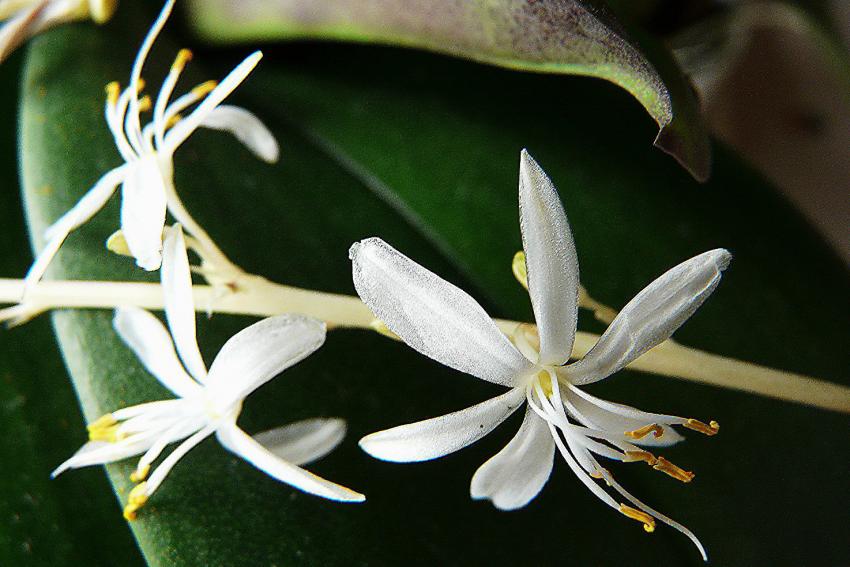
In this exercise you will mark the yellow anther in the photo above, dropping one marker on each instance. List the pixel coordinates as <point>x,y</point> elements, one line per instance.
<point>173,120</point>
<point>145,104</point>
<point>635,514</point>
<point>645,456</point>
<point>117,244</point>
<point>183,57</point>
<point>141,86</point>
<point>140,474</point>
<point>380,327</point>
<point>711,429</point>
<point>204,88</point>
<point>138,497</point>
<point>653,428</point>
<point>102,10</point>
<point>519,269</point>
<point>104,428</point>
<point>113,92</point>
<point>545,381</point>
<point>670,469</point>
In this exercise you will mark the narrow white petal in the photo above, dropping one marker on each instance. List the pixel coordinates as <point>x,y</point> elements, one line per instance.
<point>260,352</point>
<point>89,204</point>
<point>433,316</point>
<point>143,206</point>
<point>99,453</point>
<point>517,473</point>
<point>240,443</point>
<point>185,127</point>
<point>304,441</point>
<point>551,261</point>
<point>150,341</point>
<point>652,316</point>
<point>80,213</point>
<point>247,128</point>
<point>179,303</point>
<point>433,438</point>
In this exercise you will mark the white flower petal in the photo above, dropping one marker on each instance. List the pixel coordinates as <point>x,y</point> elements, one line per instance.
<point>99,453</point>
<point>433,316</point>
<point>240,443</point>
<point>596,413</point>
<point>652,316</point>
<point>517,473</point>
<point>304,441</point>
<point>179,303</point>
<point>19,29</point>
<point>150,341</point>
<point>143,205</point>
<point>80,213</point>
<point>185,127</point>
<point>247,128</point>
<point>551,262</point>
<point>260,352</point>
<point>432,438</point>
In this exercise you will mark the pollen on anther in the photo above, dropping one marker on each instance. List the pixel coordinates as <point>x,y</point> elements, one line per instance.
<point>183,57</point>
<point>672,470</point>
<point>204,88</point>
<point>635,514</point>
<point>642,432</point>
<point>145,104</point>
<point>711,429</point>
<point>113,92</point>
<point>645,456</point>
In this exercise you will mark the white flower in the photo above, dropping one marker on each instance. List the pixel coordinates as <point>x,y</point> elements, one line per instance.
<point>209,403</point>
<point>444,323</point>
<point>146,177</point>
<point>27,18</point>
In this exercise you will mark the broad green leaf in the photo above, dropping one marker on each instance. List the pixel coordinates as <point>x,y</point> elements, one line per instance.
<point>381,142</point>
<point>42,522</point>
<point>577,37</point>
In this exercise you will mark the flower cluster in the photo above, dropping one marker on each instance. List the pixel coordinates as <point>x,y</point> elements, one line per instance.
<point>409,302</point>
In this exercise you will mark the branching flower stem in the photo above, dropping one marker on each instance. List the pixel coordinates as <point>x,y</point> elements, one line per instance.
<point>259,297</point>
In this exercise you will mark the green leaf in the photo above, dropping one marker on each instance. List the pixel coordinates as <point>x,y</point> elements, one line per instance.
<point>381,142</point>
<point>576,37</point>
<point>42,522</point>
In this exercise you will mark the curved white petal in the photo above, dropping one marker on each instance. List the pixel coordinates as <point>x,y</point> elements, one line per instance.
<point>19,28</point>
<point>143,205</point>
<point>433,316</point>
<point>551,261</point>
<point>596,413</point>
<point>179,303</point>
<point>185,127</point>
<point>247,128</point>
<point>101,452</point>
<point>304,441</point>
<point>150,341</point>
<point>652,316</point>
<point>517,473</point>
<point>80,213</point>
<point>432,438</point>
<point>260,352</point>
<point>240,443</point>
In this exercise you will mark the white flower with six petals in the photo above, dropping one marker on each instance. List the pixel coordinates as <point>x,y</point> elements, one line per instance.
<point>444,323</point>
<point>209,402</point>
<point>146,177</point>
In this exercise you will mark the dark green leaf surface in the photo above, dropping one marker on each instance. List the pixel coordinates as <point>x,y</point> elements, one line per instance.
<point>42,522</point>
<point>379,142</point>
<point>575,37</point>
